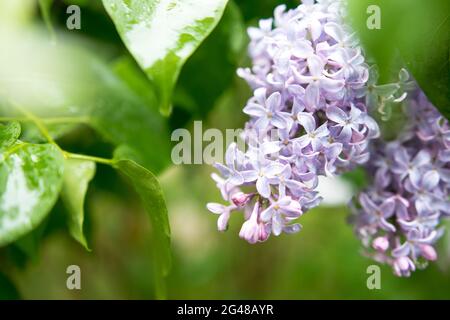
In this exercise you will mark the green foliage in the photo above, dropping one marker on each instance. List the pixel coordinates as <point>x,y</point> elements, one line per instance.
<point>77,175</point>
<point>30,180</point>
<point>261,9</point>
<point>7,289</point>
<point>45,6</point>
<point>122,118</point>
<point>57,88</point>
<point>161,35</point>
<point>357,178</point>
<point>9,134</point>
<point>415,31</point>
<point>214,65</point>
<point>128,71</point>
<point>87,92</point>
<point>149,189</point>
<point>60,98</point>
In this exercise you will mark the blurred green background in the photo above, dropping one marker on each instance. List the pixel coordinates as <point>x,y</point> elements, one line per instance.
<point>323,261</point>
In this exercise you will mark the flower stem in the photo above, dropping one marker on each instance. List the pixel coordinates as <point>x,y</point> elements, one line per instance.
<point>57,120</point>
<point>76,156</point>
<point>40,124</point>
<point>12,150</point>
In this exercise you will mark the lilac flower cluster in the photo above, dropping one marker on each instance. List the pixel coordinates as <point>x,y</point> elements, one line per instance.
<point>398,217</point>
<point>307,119</point>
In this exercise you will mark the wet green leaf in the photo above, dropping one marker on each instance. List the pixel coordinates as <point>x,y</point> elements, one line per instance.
<point>30,182</point>
<point>218,57</point>
<point>9,134</point>
<point>149,189</point>
<point>162,34</point>
<point>77,175</point>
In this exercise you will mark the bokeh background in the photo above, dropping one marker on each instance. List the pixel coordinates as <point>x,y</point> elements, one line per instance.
<point>323,261</point>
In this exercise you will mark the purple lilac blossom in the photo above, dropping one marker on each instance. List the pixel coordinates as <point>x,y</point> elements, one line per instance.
<point>398,218</point>
<point>307,118</point>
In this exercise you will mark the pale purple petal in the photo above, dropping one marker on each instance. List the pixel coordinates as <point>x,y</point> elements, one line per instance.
<point>255,110</point>
<point>273,102</point>
<point>307,121</point>
<point>430,179</point>
<point>263,187</point>
<point>216,208</point>
<point>336,114</point>
<point>315,66</point>
<point>312,96</point>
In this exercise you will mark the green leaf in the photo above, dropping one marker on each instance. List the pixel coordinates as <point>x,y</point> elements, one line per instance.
<point>162,34</point>
<point>256,9</point>
<point>122,118</point>
<point>77,175</point>
<point>136,79</point>
<point>415,31</point>
<point>29,244</point>
<point>149,189</point>
<point>65,80</point>
<point>30,181</point>
<point>7,289</point>
<point>9,134</point>
<point>45,6</point>
<point>218,57</point>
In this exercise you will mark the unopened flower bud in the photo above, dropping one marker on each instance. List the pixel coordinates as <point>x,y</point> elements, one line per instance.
<point>240,199</point>
<point>380,244</point>
<point>428,252</point>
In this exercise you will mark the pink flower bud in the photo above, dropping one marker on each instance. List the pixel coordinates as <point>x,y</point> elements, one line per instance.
<point>403,266</point>
<point>402,263</point>
<point>428,252</point>
<point>252,230</point>
<point>240,198</point>
<point>380,244</point>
